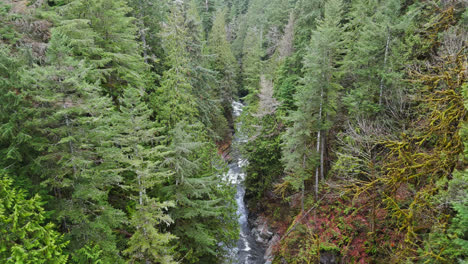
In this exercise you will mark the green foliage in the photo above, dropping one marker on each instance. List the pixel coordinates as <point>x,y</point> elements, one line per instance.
<point>450,241</point>
<point>251,62</point>
<point>316,100</point>
<point>204,214</point>
<point>149,17</point>
<point>148,243</point>
<point>264,155</point>
<point>16,142</point>
<point>69,136</point>
<point>7,32</point>
<point>287,81</point>
<point>211,85</point>
<point>173,101</point>
<point>110,109</point>
<point>373,55</point>
<point>224,62</point>
<point>78,119</point>
<point>88,254</point>
<point>24,237</point>
<point>108,44</point>
<point>136,154</point>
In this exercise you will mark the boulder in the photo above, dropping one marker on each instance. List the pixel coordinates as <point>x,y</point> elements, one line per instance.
<point>268,257</point>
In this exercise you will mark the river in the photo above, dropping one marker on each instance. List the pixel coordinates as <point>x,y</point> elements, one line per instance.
<point>248,250</point>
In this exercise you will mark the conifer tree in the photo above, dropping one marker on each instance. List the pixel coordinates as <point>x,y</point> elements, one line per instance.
<point>173,100</point>
<point>17,140</point>
<point>136,154</point>
<point>251,60</point>
<point>149,15</point>
<point>373,58</point>
<point>63,100</point>
<point>204,212</point>
<point>207,10</point>
<point>316,101</point>
<point>224,62</point>
<point>16,143</point>
<point>56,88</point>
<point>114,50</point>
<point>204,78</point>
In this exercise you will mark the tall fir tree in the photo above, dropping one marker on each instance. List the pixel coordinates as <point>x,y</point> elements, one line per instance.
<point>204,79</point>
<point>224,63</point>
<point>204,214</point>
<point>316,101</point>
<point>251,61</point>
<point>136,155</point>
<point>373,57</point>
<point>62,99</point>
<point>173,101</point>
<point>16,142</point>
<point>110,42</point>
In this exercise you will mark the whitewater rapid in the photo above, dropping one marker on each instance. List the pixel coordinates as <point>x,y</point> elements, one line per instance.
<point>248,250</point>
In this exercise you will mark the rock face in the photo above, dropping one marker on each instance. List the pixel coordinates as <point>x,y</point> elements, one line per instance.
<point>329,258</point>
<point>269,252</point>
<point>261,231</point>
<point>265,236</point>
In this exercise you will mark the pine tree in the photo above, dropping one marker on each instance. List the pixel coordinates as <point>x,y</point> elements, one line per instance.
<point>24,237</point>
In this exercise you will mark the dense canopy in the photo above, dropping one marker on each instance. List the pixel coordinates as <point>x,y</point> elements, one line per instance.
<point>116,124</point>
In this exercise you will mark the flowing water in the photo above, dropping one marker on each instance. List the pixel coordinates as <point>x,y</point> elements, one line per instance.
<point>248,251</point>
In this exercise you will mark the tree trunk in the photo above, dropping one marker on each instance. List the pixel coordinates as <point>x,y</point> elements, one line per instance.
<point>322,157</point>
<point>384,66</point>
<point>142,32</point>
<point>303,183</point>
<point>317,168</point>
<point>318,143</point>
<point>67,123</point>
<point>143,40</point>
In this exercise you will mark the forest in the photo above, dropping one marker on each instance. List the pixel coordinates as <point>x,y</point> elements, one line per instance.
<point>119,120</point>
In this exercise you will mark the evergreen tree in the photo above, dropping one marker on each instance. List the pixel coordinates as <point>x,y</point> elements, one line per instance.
<point>251,62</point>
<point>24,237</point>
<point>149,15</point>
<point>224,63</point>
<point>204,79</point>
<point>316,101</point>
<point>173,100</point>
<point>204,214</point>
<point>372,58</point>
<point>16,137</point>
<point>207,10</point>
<point>62,101</point>
<point>110,42</point>
<point>136,154</point>
<point>16,143</point>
